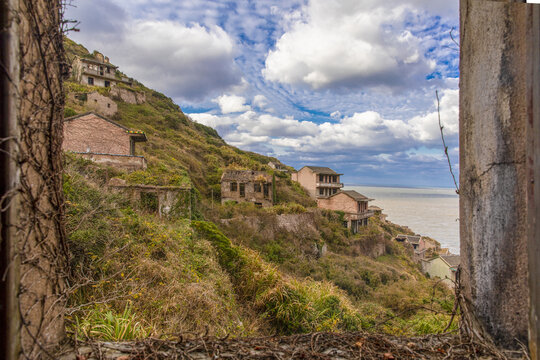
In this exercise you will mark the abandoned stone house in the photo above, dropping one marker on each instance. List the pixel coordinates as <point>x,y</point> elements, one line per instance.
<point>413,240</point>
<point>97,71</point>
<point>276,165</point>
<point>99,139</point>
<point>101,104</point>
<point>163,200</point>
<point>354,204</point>
<point>319,181</point>
<point>247,186</point>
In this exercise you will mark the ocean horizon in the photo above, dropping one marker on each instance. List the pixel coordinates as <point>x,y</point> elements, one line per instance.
<point>428,211</point>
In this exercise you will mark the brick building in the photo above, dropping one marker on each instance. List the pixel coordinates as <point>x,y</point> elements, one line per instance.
<point>352,203</point>
<point>97,71</point>
<point>102,140</point>
<point>320,182</point>
<point>246,186</point>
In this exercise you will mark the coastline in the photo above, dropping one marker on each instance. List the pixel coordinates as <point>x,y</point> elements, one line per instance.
<point>432,212</point>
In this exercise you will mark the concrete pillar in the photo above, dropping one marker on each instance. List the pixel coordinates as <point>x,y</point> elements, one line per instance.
<point>40,235</point>
<point>495,83</point>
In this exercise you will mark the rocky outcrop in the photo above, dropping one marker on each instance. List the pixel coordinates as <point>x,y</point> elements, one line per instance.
<point>128,96</point>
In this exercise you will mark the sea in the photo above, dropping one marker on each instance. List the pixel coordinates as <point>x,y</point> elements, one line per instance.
<point>432,212</point>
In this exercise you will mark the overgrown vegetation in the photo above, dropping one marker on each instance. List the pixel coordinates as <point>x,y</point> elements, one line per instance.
<point>237,269</point>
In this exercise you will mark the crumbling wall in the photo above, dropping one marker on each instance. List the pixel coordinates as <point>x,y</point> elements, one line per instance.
<point>494,100</point>
<point>128,96</point>
<point>101,104</point>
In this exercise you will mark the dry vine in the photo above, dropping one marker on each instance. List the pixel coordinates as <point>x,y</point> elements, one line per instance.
<point>35,202</point>
<point>441,127</point>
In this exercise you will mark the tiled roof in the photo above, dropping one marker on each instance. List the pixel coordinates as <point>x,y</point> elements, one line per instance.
<point>452,260</point>
<point>245,175</point>
<point>322,170</point>
<point>354,194</point>
<point>413,239</point>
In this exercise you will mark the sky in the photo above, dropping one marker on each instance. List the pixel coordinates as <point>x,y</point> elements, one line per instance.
<point>349,84</point>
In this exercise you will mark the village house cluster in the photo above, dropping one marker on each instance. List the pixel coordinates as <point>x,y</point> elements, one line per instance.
<point>435,262</point>
<point>95,137</point>
<point>323,184</point>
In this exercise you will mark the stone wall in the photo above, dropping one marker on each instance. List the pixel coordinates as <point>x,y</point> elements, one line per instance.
<point>124,162</point>
<point>90,133</point>
<point>167,197</point>
<point>128,96</point>
<point>101,104</point>
<point>250,194</point>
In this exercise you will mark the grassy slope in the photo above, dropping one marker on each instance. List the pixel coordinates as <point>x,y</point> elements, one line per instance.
<point>177,279</point>
<point>175,143</point>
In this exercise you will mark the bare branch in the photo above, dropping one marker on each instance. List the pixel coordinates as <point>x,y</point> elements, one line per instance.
<point>441,127</point>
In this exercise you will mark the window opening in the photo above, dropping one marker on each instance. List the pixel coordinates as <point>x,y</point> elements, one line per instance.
<point>242,190</point>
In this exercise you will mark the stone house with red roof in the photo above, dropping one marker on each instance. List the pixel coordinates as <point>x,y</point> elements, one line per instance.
<point>352,203</point>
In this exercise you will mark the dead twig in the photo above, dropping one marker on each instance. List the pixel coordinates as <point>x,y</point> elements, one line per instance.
<point>441,127</point>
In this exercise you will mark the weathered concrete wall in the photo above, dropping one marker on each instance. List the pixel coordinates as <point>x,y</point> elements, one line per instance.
<point>125,162</point>
<point>97,81</point>
<point>307,178</point>
<point>438,268</point>
<point>101,104</point>
<point>494,87</point>
<point>90,133</point>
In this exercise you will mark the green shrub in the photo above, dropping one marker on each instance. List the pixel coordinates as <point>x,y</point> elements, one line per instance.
<point>69,112</point>
<point>104,324</point>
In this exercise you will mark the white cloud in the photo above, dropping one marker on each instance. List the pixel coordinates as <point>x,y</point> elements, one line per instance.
<point>260,101</point>
<point>232,104</point>
<point>184,61</point>
<point>426,128</point>
<point>366,132</point>
<point>351,44</point>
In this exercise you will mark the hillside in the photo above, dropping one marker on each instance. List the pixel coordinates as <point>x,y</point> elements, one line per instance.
<point>177,145</point>
<point>234,269</point>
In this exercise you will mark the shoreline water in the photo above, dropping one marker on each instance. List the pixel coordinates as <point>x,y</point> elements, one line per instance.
<point>429,212</point>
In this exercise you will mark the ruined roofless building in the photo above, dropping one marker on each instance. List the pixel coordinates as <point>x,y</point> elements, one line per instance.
<point>246,186</point>
<point>319,181</point>
<point>97,71</point>
<point>99,139</point>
